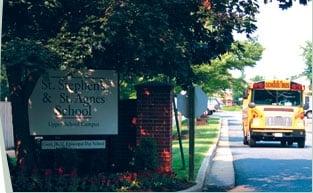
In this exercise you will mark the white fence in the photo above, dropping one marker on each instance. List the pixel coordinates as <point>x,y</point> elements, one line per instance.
<point>6,123</point>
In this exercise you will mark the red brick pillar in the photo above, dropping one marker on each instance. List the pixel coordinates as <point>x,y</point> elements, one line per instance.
<point>154,110</point>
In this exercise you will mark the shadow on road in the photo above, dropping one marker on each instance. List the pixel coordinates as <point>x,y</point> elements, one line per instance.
<point>234,122</point>
<point>235,139</point>
<point>271,175</point>
<point>271,145</point>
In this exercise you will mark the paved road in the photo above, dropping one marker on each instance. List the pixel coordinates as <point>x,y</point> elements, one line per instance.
<point>269,167</point>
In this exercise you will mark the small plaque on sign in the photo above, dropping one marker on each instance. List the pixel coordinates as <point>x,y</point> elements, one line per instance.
<point>73,144</point>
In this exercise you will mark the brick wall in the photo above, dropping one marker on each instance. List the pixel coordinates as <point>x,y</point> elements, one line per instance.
<point>154,111</point>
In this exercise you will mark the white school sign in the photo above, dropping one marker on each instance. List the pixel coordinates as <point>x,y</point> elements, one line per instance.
<point>83,102</point>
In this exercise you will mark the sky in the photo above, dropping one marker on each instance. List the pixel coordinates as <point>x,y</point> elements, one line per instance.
<point>281,33</point>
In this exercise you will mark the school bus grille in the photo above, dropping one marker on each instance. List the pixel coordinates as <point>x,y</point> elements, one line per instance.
<point>278,121</point>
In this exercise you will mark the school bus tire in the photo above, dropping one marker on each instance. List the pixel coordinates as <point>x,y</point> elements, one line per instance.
<point>283,143</point>
<point>301,143</point>
<point>252,142</point>
<point>245,140</point>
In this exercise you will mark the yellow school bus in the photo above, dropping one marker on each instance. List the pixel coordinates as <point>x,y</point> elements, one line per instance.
<point>273,110</point>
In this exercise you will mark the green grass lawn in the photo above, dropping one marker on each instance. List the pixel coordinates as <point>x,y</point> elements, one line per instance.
<point>12,160</point>
<point>232,108</point>
<point>204,138</point>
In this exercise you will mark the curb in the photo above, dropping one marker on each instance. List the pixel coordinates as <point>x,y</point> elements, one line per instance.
<point>222,176</point>
<point>205,165</point>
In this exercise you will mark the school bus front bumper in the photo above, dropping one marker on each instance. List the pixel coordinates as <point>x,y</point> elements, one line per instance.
<point>265,134</point>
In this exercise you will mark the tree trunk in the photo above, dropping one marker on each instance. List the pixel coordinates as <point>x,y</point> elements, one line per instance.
<point>20,91</point>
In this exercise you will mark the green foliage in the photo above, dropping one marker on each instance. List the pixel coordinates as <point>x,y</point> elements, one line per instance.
<point>238,87</point>
<point>128,83</point>
<point>64,158</point>
<point>307,54</point>
<point>216,77</point>
<point>257,78</point>
<point>146,155</point>
<point>212,78</point>
<point>73,160</point>
<point>232,108</point>
<point>25,56</point>
<point>285,4</point>
<point>42,20</point>
<point>73,48</point>
<point>28,52</point>
<point>4,86</point>
<point>120,182</point>
<point>136,37</point>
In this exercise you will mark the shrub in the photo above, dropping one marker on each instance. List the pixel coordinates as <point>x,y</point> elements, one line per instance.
<point>116,182</point>
<point>68,159</point>
<point>146,155</point>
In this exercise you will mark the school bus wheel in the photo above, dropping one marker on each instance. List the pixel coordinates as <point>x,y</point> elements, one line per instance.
<point>283,143</point>
<point>301,143</point>
<point>251,140</point>
<point>245,140</point>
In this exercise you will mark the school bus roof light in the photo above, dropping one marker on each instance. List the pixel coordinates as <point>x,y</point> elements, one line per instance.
<point>296,86</point>
<point>259,85</point>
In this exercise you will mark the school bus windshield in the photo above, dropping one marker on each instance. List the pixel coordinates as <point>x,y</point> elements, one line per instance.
<point>277,97</point>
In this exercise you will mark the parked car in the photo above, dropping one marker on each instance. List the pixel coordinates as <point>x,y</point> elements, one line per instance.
<point>213,105</point>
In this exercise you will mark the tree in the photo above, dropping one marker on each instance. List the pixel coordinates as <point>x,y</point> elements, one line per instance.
<point>257,78</point>
<point>307,54</point>
<point>216,77</point>
<point>155,39</point>
<point>25,60</point>
<point>238,87</point>
<point>136,37</point>
<point>169,43</point>
<point>4,87</point>
<point>285,4</point>
<point>27,28</point>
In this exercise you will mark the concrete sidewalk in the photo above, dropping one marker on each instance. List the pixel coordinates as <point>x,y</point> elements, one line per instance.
<point>221,176</point>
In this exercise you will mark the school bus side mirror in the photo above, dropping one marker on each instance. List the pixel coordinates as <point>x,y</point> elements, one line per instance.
<point>306,106</point>
<point>251,105</point>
